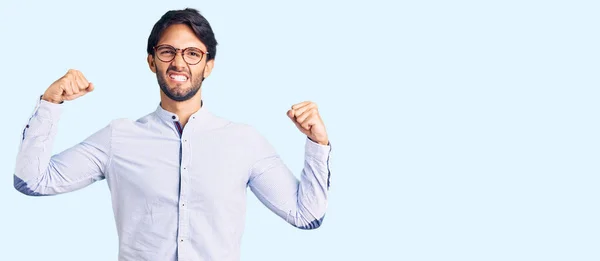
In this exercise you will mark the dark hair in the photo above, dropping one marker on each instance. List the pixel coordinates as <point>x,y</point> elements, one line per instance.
<point>194,20</point>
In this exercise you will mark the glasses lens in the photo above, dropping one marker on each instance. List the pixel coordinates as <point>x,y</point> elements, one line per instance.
<point>192,55</point>
<point>165,53</point>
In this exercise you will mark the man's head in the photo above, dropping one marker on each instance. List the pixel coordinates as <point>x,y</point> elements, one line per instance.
<point>181,51</point>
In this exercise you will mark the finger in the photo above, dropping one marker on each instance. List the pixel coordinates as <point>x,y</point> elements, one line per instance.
<point>81,85</point>
<point>71,82</point>
<point>304,116</point>
<point>308,123</point>
<point>81,82</point>
<point>290,114</point>
<point>74,85</point>
<point>74,96</point>
<point>298,105</point>
<point>90,87</point>
<point>66,86</point>
<point>299,126</point>
<point>304,108</point>
<point>85,80</point>
<point>85,91</point>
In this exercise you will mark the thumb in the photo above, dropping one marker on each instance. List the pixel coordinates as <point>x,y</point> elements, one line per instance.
<point>90,87</point>
<point>290,115</point>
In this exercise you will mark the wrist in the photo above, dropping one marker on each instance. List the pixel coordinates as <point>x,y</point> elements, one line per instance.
<point>48,99</point>
<point>321,142</point>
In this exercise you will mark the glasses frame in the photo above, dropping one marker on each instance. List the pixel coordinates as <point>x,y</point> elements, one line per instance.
<point>179,50</point>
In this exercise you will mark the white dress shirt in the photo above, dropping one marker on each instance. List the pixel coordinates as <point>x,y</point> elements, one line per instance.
<point>177,193</point>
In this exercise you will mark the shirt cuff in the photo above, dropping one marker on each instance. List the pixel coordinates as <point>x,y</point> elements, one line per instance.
<point>317,151</point>
<point>48,110</point>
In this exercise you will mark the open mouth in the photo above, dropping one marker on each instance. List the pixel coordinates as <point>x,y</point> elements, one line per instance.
<point>178,77</point>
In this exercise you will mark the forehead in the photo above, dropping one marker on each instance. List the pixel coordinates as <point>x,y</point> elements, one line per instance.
<point>180,36</point>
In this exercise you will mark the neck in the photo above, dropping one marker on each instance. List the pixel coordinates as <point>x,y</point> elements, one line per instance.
<point>183,109</point>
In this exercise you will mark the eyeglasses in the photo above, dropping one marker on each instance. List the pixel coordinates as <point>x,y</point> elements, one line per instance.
<point>167,53</point>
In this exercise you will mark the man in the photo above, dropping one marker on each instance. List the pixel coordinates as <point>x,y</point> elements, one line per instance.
<point>178,176</point>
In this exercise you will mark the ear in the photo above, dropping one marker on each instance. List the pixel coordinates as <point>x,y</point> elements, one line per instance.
<point>208,68</point>
<point>151,63</point>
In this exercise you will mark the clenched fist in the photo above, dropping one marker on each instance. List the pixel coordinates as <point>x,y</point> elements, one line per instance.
<point>306,117</point>
<point>69,87</point>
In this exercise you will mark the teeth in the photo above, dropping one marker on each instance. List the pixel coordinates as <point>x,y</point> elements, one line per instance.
<point>179,78</point>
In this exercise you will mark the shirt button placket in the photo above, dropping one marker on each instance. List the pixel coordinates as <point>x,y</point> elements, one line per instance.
<point>183,213</point>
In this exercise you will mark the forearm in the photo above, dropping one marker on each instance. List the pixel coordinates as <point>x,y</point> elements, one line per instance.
<point>302,203</point>
<point>32,167</point>
<point>313,187</point>
<point>40,173</point>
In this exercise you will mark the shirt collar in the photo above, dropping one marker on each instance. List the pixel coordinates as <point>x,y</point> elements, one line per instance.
<point>201,116</point>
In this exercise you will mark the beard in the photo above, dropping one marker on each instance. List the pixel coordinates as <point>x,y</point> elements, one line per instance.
<point>178,92</point>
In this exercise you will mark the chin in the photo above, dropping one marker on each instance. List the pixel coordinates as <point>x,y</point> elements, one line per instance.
<point>180,94</point>
<point>177,93</point>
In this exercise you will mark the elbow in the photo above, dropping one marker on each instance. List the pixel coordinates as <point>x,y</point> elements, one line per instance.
<point>312,225</point>
<point>21,186</point>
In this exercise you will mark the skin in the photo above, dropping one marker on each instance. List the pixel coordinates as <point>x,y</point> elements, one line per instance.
<point>181,36</point>
<point>176,96</point>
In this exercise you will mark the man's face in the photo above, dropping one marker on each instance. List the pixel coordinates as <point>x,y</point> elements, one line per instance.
<point>179,80</point>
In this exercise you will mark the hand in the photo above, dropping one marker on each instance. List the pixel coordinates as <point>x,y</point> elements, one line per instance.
<point>306,117</point>
<point>69,87</point>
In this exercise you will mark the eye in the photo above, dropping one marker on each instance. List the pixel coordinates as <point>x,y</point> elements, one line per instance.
<point>194,53</point>
<point>165,50</point>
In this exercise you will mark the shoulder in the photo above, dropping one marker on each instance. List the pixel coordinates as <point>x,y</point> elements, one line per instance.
<point>120,124</point>
<point>241,129</point>
<point>241,132</point>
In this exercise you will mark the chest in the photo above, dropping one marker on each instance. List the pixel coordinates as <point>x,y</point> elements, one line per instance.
<point>202,168</point>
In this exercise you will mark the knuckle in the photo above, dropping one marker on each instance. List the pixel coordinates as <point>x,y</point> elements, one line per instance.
<point>72,73</point>
<point>64,81</point>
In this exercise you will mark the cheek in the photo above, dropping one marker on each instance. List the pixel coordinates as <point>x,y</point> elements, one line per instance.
<point>161,69</point>
<point>198,72</point>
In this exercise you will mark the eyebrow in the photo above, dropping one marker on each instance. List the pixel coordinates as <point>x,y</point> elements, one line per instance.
<point>199,48</point>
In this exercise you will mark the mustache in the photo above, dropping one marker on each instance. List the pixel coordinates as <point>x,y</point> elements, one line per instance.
<point>178,70</point>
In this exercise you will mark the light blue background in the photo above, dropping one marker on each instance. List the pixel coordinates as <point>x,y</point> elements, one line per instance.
<point>462,130</point>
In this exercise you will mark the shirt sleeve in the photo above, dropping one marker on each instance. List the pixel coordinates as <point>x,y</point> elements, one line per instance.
<point>39,173</point>
<point>302,203</point>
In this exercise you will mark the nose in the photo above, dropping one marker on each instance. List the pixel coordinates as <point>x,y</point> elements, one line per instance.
<point>178,61</point>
